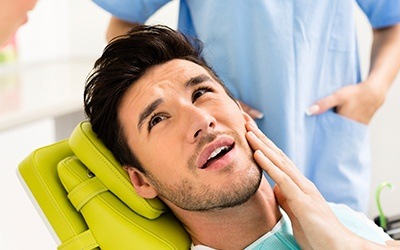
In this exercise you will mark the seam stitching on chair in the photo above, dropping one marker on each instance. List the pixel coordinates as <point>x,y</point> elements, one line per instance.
<point>80,236</point>
<point>101,156</point>
<point>50,195</point>
<point>157,236</point>
<point>82,201</point>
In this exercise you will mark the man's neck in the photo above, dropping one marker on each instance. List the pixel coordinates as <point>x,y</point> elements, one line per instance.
<point>226,228</point>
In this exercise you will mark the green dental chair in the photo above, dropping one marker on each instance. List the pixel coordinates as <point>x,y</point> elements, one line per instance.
<point>88,201</point>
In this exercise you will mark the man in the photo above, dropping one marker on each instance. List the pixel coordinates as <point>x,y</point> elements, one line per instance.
<point>183,138</point>
<point>297,62</point>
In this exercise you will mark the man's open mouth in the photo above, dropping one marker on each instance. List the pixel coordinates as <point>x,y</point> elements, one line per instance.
<point>217,154</point>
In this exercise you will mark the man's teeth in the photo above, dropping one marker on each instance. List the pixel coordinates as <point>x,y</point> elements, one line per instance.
<point>217,151</point>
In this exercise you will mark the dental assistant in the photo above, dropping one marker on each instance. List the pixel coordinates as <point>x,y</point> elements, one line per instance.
<point>297,63</point>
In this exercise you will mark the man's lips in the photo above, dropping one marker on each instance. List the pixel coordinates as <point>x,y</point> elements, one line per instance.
<point>214,151</point>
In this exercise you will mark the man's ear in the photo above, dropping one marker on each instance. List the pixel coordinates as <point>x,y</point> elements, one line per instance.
<point>141,183</point>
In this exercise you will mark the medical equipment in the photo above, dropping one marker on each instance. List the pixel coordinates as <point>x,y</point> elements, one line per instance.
<point>390,224</point>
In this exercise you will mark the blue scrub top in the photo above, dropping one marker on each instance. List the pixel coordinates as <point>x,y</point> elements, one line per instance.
<point>280,56</point>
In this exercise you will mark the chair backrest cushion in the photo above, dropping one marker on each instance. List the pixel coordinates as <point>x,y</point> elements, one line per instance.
<point>38,174</point>
<point>112,223</point>
<point>96,157</point>
<point>88,201</point>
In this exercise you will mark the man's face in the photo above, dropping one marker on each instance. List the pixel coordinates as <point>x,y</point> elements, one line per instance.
<point>189,136</point>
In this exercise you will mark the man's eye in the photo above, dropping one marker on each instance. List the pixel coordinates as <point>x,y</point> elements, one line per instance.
<point>155,119</point>
<point>199,92</point>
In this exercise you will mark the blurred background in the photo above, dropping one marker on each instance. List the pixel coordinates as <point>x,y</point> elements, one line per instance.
<point>42,78</point>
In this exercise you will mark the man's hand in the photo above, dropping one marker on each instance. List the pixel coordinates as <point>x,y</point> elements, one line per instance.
<point>315,226</point>
<point>358,102</point>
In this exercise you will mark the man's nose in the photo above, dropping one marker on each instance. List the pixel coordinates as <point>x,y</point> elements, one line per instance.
<point>200,122</point>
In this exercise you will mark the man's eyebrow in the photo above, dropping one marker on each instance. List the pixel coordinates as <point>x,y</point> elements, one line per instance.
<point>153,106</point>
<point>197,80</point>
<point>148,110</point>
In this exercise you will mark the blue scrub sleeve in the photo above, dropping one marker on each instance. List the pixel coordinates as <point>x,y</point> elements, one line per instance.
<point>131,10</point>
<point>381,13</point>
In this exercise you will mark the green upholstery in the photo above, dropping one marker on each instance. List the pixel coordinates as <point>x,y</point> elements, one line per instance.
<point>92,152</point>
<point>88,201</point>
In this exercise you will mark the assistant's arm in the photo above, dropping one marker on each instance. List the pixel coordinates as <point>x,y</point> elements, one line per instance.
<point>118,27</point>
<point>385,58</point>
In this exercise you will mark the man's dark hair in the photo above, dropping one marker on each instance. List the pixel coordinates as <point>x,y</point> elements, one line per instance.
<point>124,60</point>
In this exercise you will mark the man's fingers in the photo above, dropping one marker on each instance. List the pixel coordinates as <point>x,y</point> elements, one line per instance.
<point>258,143</point>
<point>251,127</point>
<point>288,187</point>
<point>272,152</point>
<point>265,140</point>
<point>393,243</point>
<point>277,165</point>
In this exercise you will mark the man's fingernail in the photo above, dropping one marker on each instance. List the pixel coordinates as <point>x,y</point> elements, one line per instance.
<point>312,110</point>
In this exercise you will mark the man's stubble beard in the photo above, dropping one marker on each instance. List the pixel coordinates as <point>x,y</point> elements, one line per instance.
<point>194,196</point>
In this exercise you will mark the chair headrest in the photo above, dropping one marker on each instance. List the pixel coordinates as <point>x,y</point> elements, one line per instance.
<point>101,162</point>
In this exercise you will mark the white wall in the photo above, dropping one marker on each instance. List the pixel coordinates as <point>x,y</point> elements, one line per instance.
<point>75,28</point>
<point>57,30</point>
<point>385,146</point>
<point>87,24</point>
<point>45,36</point>
<point>62,29</point>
